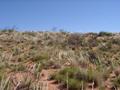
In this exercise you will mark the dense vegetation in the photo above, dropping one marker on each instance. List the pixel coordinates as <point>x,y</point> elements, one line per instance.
<point>90,60</point>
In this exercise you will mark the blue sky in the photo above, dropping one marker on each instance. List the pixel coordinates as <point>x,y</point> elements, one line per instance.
<point>70,15</point>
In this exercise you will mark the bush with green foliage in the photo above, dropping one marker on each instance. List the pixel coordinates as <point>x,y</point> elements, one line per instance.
<point>77,78</point>
<point>102,33</point>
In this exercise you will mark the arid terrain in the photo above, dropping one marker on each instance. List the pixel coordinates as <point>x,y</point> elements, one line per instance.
<point>59,60</point>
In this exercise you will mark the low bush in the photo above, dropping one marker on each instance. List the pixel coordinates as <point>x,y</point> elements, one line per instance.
<point>18,67</point>
<point>102,33</point>
<point>116,82</point>
<point>75,40</point>
<point>76,78</point>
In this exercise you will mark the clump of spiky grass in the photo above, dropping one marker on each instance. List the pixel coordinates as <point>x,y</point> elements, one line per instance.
<point>77,78</point>
<point>116,82</point>
<point>5,83</point>
<point>39,85</point>
<point>16,68</point>
<point>36,70</point>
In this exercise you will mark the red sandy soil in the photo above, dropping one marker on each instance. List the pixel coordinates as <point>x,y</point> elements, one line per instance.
<point>50,83</point>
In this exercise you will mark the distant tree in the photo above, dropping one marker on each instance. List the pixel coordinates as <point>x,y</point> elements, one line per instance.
<point>8,30</point>
<point>102,33</point>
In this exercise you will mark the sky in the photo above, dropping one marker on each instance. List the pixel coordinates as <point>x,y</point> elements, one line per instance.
<point>69,15</point>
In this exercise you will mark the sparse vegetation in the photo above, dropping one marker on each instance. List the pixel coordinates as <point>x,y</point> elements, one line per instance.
<point>85,60</point>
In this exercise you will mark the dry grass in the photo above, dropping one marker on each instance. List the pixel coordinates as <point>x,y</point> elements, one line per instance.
<point>99,51</point>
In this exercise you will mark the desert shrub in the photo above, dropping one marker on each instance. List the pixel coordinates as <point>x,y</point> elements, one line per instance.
<point>106,47</point>
<point>92,33</point>
<point>76,76</point>
<point>15,51</point>
<point>74,84</point>
<point>37,58</point>
<point>18,67</point>
<point>93,58</point>
<point>92,42</point>
<point>8,30</point>
<point>115,41</point>
<point>75,40</point>
<point>71,71</point>
<point>103,48</point>
<point>40,57</point>
<point>2,71</point>
<point>1,75</point>
<point>102,33</point>
<point>116,81</point>
<point>106,72</point>
<point>69,79</point>
<point>50,64</point>
<point>102,88</point>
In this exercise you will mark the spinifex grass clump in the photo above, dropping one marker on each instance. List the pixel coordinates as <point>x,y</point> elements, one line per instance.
<point>116,82</point>
<point>17,68</point>
<point>5,84</point>
<point>76,78</point>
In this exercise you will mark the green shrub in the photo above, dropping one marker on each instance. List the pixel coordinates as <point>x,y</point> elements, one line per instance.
<point>75,76</point>
<point>102,33</point>
<point>18,67</point>
<point>40,57</point>
<point>8,30</point>
<point>70,71</point>
<point>74,84</point>
<point>116,81</point>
